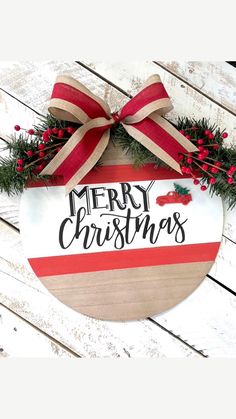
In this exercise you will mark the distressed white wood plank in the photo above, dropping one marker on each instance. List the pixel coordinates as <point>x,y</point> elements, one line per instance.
<point>215,79</point>
<point>114,97</point>
<point>24,294</point>
<point>19,339</point>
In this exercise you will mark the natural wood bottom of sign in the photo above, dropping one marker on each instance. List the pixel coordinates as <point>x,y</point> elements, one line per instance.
<point>128,294</point>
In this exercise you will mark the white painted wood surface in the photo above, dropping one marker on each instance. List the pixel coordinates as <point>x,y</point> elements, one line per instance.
<point>205,321</point>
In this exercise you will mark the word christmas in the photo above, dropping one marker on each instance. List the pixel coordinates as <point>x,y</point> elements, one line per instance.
<point>122,216</point>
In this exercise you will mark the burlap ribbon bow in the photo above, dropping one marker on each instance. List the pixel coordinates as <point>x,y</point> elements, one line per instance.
<point>141,117</point>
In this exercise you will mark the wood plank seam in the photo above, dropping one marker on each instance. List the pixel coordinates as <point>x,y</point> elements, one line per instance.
<point>221,285</point>
<point>194,88</point>
<point>20,101</point>
<point>43,333</point>
<point>199,351</point>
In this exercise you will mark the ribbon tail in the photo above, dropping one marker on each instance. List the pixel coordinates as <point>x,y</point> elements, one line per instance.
<point>161,138</point>
<point>81,152</point>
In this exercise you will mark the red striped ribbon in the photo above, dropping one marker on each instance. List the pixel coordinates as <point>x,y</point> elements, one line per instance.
<point>141,117</point>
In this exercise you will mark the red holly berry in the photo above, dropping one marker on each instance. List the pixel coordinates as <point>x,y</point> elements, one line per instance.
<point>189,160</point>
<point>45,137</point>
<point>188,171</point>
<point>211,136</point>
<point>212,180</point>
<point>205,166</point>
<point>207,132</point>
<point>230,180</point>
<point>70,130</point>
<point>229,173</point>
<point>232,169</point>
<point>205,152</point>
<point>30,153</point>
<point>58,149</point>
<point>19,168</point>
<point>55,130</point>
<point>200,141</point>
<point>201,156</point>
<point>182,132</point>
<point>200,148</point>
<point>49,131</point>
<point>40,167</point>
<point>196,182</point>
<point>214,170</point>
<point>181,157</point>
<point>17,127</point>
<point>20,162</point>
<point>224,135</point>
<point>216,146</point>
<point>41,146</point>
<point>203,188</point>
<point>41,154</point>
<point>183,168</point>
<point>31,131</point>
<point>60,133</point>
<point>218,164</point>
<point>188,137</point>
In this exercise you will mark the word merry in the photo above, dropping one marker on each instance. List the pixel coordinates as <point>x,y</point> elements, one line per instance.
<point>111,199</point>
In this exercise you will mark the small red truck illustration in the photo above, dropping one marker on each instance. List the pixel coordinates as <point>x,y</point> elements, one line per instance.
<point>174,197</point>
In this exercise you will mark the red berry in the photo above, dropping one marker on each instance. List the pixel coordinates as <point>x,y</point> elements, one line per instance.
<point>230,180</point>
<point>224,135</point>
<point>216,146</point>
<point>189,160</point>
<point>188,137</point>
<point>30,153</point>
<point>214,170</point>
<point>45,137</point>
<point>200,141</point>
<point>60,133</point>
<point>232,169</point>
<point>40,167</point>
<point>55,130</point>
<point>196,182</point>
<point>58,149</point>
<point>188,170</point>
<point>212,180</point>
<point>17,127</point>
<point>70,130</point>
<point>218,164</point>
<point>205,152</point>
<point>201,148</point>
<point>207,132</point>
<point>203,188</point>
<point>20,162</point>
<point>211,136</point>
<point>201,156</point>
<point>31,131</point>
<point>229,173</point>
<point>19,168</point>
<point>183,169</point>
<point>41,146</point>
<point>41,154</point>
<point>205,166</point>
<point>49,131</point>
<point>181,157</point>
<point>182,132</point>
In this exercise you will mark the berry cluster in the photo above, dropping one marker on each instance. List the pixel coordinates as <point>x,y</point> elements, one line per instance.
<point>204,163</point>
<point>46,145</point>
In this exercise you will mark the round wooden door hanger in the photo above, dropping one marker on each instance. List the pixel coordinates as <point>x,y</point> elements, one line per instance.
<point>125,243</point>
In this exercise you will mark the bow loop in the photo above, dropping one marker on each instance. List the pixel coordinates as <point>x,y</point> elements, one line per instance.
<point>152,97</point>
<point>72,101</point>
<point>141,117</point>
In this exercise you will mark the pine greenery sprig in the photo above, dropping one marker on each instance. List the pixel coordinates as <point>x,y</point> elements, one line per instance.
<point>213,167</point>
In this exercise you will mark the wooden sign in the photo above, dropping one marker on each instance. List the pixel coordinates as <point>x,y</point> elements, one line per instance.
<point>125,244</point>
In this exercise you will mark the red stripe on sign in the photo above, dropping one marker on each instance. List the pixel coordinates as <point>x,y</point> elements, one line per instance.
<point>119,173</point>
<point>90,106</point>
<point>80,153</point>
<point>148,95</point>
<point>160,137</point>
<point>124,259</point>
